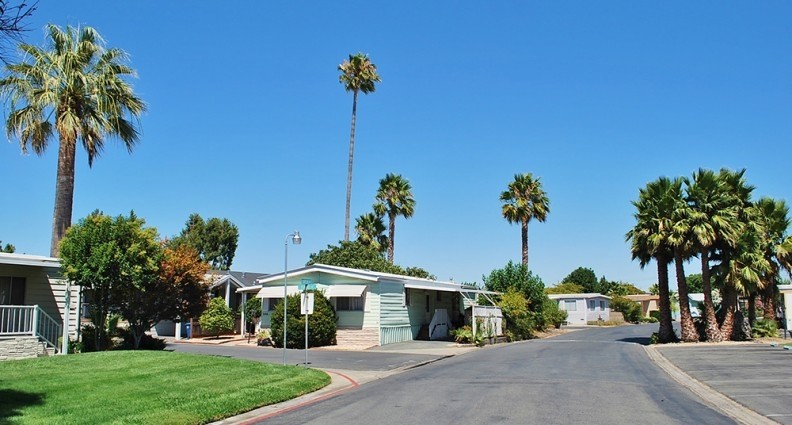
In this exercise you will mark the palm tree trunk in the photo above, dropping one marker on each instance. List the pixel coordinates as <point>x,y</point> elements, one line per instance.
<point>391,232</point>
<point>752,308</point>
<point>729,304</point>
<point>349,166</point>
<point>768,301</point>
<point>666,332</point>
<point>689,333</point>
<point>524,234</point>
<point>64,194</point>
<point>713,332</point>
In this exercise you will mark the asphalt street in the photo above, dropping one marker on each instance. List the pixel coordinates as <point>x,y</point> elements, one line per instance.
<point>595,376</point>
<point>322,359</point>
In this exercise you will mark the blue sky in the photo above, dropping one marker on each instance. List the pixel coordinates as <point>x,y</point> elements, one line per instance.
<point>247,121</point>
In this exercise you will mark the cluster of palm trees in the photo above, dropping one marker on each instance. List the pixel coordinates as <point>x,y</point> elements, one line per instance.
<point>394,198</point>
<point>742,245</point>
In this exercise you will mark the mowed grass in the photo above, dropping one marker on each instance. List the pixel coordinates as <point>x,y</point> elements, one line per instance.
<point>144,387</point>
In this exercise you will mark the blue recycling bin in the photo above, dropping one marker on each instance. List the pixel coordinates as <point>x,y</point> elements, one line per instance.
<point>188,329</point>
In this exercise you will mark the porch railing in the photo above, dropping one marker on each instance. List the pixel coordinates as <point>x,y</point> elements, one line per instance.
<point>20,320</point>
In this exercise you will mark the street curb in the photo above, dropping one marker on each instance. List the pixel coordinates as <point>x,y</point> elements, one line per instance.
<point>713,398</point>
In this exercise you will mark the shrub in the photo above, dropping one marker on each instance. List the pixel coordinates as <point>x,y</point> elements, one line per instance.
<point>655,338</point>
<point>765,329</point>
<point>463,335</point>
<point>553,315</point>
<point>630,309</point>
<point>649,320</point>
<point>655,314</point>
<point>147,342</point>
<point>321,324</point>
<point>87,342</point>
<point>217,318</point>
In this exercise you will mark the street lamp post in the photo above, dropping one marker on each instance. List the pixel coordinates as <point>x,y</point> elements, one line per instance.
<point>296,239</point>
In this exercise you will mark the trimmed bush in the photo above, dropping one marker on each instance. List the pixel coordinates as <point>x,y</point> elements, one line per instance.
<point>217,318</point>
<point>765,329</point>
<point>553,315</point>
<point>630,309</point>
<point>321,324</point>
<point>147,342</point>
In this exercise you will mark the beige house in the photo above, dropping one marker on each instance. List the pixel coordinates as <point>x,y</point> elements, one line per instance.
<point>648,302</point>
<point>38,309</point>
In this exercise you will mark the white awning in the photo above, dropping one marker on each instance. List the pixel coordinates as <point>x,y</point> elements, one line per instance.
<point>275,291</point>
<point>345,291</point>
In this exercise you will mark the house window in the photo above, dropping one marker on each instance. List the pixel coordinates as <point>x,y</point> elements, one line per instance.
<point>602,305</point>
<point>271,304</point>
<point>438,296</point>
<point>407,297</point>
<point>592,305</point>
<point>427,303</point>
<point>349,303</point>
<point>12,290</point>
<point>570,305</point>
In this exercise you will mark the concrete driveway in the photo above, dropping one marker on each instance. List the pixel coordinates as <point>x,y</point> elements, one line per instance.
<point>757,376</point>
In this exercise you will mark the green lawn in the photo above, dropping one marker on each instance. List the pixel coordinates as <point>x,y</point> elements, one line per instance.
<point>144,387</point>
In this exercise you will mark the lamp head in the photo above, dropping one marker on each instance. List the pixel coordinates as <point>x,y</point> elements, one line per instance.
<point>296,239</point>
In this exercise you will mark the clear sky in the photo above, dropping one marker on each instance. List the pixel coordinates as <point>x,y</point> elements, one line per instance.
<point>247,121</point>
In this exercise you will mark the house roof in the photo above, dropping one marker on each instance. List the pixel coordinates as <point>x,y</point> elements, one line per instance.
<point>29,260</point>
<point>583,296</point>
<point>642,297</point>
<point>345,273</point>
<point>237,279</point>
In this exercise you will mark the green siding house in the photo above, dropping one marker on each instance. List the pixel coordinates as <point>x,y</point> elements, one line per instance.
<point>374,308</point>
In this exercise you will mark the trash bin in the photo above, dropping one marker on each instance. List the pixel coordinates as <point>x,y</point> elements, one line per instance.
<point>188,330</point>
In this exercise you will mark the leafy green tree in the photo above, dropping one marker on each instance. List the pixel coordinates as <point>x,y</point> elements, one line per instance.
<point>321,324</point>
<point>358,75</point>
<point>584,277</point>
<point>649,240</point>
<point>176,292</point>
<point>214,239</point>
<point>419,272</point>
<point>217,318</point>
<point>354,255</point>
<point>110,257</point>
<point>624,288</point>
<point>694,283</point>
<point>524,201</point>
<point>8,248</point>
<point>516,277</point>
<point>371,231</point>
<point>630,309</point>
<point>394,198</point>
<point>76,88</point>
<point>565,288</point>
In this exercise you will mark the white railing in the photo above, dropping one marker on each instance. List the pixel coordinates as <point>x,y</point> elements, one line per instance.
<point>20,320</point>
<point>438,327</point>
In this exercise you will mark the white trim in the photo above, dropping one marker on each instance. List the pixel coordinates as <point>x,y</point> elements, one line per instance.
<point>577,296</point>
<point>29,260</point>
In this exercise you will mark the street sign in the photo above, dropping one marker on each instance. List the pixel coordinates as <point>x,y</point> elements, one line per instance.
<point>306,303</point>
<point>306,285</point>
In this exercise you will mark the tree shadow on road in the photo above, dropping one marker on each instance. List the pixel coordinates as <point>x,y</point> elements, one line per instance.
<point>642,340</point>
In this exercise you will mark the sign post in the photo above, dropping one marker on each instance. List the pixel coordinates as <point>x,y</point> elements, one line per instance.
<point>306,307</point>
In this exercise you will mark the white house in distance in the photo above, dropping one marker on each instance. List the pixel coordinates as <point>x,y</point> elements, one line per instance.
<point>583,308</point>
<point>38,309</point>
<point>376,308</point>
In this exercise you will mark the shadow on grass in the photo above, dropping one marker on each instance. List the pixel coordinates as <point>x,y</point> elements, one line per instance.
<point>642,340</point>
<point>13,401</point>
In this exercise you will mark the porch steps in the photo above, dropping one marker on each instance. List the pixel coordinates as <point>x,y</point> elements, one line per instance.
<point>357,338</point>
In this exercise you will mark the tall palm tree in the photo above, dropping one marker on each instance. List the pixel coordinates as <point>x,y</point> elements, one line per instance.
<point>523,201</point>
<point>776,248</point>
<point>358,75</point>
<point>77,89</point>
<point>371,231</point>
<point>650,241</point>
<point>394,198</point>
<point>712,221</point>
<point>682,249</point>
